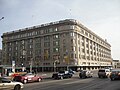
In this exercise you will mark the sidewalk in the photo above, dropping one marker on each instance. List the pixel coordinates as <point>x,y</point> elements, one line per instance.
<point>45,75</point>
<point>48,75</point>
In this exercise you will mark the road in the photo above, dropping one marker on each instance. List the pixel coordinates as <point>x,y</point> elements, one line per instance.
<point>75,83</point>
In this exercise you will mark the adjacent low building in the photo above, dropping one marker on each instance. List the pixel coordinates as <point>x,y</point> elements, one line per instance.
<point>0,56</point>
<point>116,63</point>
<point>61,44</point>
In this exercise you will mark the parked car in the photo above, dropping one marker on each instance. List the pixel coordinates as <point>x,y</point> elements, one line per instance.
<point>103,73</point>
<point>71,71</point>
<point>115,74</point>
<point>29,77</point>
<point>6,84</point>
<point>62,75</point>
<point>85,74</point>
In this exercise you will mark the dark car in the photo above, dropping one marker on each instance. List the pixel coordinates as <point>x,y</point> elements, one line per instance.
<point>115,74</point>
<point>62,75</point>
<point>85,74</point>
<point>71,71</point>
<point>29,77</point>
<point>103,73</point>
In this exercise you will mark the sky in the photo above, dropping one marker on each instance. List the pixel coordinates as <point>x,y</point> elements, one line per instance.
<point>100,16</point>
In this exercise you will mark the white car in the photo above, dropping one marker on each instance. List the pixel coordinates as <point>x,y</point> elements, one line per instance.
<point>104,73</point>
<point>6,84</point>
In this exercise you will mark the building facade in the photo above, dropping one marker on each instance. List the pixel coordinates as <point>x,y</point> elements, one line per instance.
<point>61,44</point>
<point>116,63</point>
<point>0,56</point>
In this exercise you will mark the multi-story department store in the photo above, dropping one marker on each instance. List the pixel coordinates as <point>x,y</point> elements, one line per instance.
<point>61,44</point>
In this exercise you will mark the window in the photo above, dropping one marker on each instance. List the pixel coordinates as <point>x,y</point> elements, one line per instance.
<point>88,57</point>
<point>91,52</point>
<point>56,36</point>
<point>41,31</point>
<point>37,40</point>
<point>73,48</point>
<point>16,48</point>
<point>38,52</point>
<point>38,45</point>
<point>72,34</point>
<point>83,50</point>
<point>64,48</point>
<point>55,43</point>
<point>64,41</point>
<point>87,40</point>
<point>10,49</point>
<point>82,43</point>
<point>83,56</point>
<point>86,33</point>
<point>72,55</point>
<point>83,38</point>
<point>30,52</point>
<point>90,35</point>
<point>72,27</point>
<point>23,41</point>
<point>87,45</point>
<point>82,31</point>
<point>87,51</point>
<point>91,47</point>
<point>56,49</point>
<point>46,44</point>
<point>30,46</point>
<point>46,31</point>
<point>46,54</point>
<point>30,40</point>
<point>79,56</point>
<point>50,30</point>
<point>46,38</point>
<point>71,40</point>
<point>55,29</point>
<point>16,42</point>
<point>64,35</point>
<point>79,49</point>
<point>16,54</point>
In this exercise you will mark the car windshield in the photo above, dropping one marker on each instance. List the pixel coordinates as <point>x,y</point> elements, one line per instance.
<point>4,80</point>
<point>114,71</point>
<point>26,74</point>
<point>61,71</point>
<point>101,70</point>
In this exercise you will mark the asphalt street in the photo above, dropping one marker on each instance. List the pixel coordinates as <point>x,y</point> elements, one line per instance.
<point>75,83</point>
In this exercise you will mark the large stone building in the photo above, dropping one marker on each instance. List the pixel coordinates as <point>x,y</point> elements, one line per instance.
<point>0,56</point>
<point>61,44</point>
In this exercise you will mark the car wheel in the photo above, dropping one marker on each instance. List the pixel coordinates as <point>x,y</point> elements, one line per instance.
<point>80,76</point>
<point>39,79</point>
<point>70,76</point>
<point>17,87</point>
<point>112,79</point>
<point>25,81</point>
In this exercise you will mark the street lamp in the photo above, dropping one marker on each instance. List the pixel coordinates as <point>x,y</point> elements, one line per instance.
<point>55,62</point>
<point>31,64</point>
<point>1,18</point>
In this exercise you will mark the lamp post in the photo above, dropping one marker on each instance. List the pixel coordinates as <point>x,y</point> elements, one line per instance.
<point>31,64</point>
<point>1,18</point>
<point>55,62</point>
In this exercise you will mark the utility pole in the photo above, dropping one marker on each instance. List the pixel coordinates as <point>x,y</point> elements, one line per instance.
<point>1,18</point>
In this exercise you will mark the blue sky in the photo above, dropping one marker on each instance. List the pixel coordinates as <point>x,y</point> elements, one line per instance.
<point>100,16</point>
